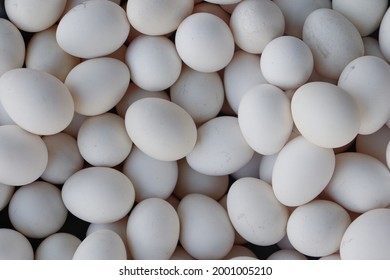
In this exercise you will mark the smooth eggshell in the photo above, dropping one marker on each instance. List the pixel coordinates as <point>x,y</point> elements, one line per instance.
<point>211,8</point>
<point>384,35</point>
<point>251,169</point>
<point>6,193</point>
<point>239,251</point>
<point>58,246</point>
<point>374,144</point>
<point>14,246</point>
<point>287,254</point>
<point>371,47</point>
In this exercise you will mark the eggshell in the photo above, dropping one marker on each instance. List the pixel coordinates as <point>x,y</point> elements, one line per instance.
<point>150,177</point>
<point>316,228</point>
<point>24,156</point>
<point>12,48</point>
<point>301,171</point>
<point>103,140</point>
<point>73,128</point>
<point>58,246</point>
<point>239,251</point>
<point>14,246</point>
<point>223,2</point>
<point>374,144</point>
<point>34,15</point>
<point>371,47</point>
<point>160,128</point>
<point>367,237</point>
<point>153,17</point>
<point>333,40</point>
<point>98,194</point>
<point>331,257</point>
<point>325,114</point>
<point>181,254</point>
<point>388,155</point>
<point>384,35</point>
<point>367,79</point>
<point>6,193</point>
<point>255,212</point>
<point>64,158</point>
<point>204,42</point>
<point>211,8</point>
<point>36,210</point>
<point>205,228</point>
<point>266,167</point>
<point>70,4</point>
<point>287,254</point>
<point>359,183</point>
<point>220,149</point>
<point>251,169</point>
<point>103,244</point>
<point>5,119</point>
<point>97,84</point>
<point>265,120</point>
<point>149,219</point>
<point>36,101</point>
<point>81,32</point>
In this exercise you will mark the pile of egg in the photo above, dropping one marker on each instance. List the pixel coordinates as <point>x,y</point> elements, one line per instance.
<point>186,129</point>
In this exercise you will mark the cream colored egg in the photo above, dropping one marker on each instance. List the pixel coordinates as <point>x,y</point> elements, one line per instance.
<point>44,54</point>
<point>153,17</point>
<point>221,148</point>
<point>325,114</point>
<point>367,238</point>
<point>371,47</point>
<point>316,228</point>
<point>333,40</point>
<point>254,23</point>
<point>58,246</point>
<point>153,62</point>
<point>97,84</point>
<point>150,177</point>
<point>98,194</point>
<point>36,101</point>
<point>211,8</point>
<point>265,120</point>
<point>14,246</point>
<point>24,156</point>
<point>242,74</point>
<point>161,129</point>
<point>103,140</point>
<point>359,183</point>
<point>153,217</point>
<point>251,169</point>
<point>103,244</point>
<point>204,42</point>
<point>374,144</point>
<point>366,79</point>
<point>64,158</point>
<point>12,48</point>
<point>255,212</point>
<point>81,32</point>
<point>287,254</point>
<point>205,228</point>
<point>34,15</point>
<point>6,193</point>
<point>36,210</point>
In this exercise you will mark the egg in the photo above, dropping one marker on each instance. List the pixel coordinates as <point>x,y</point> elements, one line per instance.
<point>73,128</point>
<point>287,254</point>
<point>317,228</point>
<point>204,42</point>
<point>36,210</point>
<point>153,230</point>
<point>239,251</point>
<point>81,32</point>
<point>24,156</point>
<point>14,246</point>
<point>223,2</point>
<point>98,194</point>
<point>36,101</point>
<point>181,254</point>
<point>251,169</point>
<point>383,35</point>
<point>97,84</point>
<point>266,167</point>
<point>160,128</point>
<point>205,229</point>
<point>255,212</point>
<point>371,47</point>
<point>374,144</point>
<point>221,148</point>
<point>204,7</point>
<point>388,155</point>
<point>6,193</point>
<point>58,246</point>
<point>73,3</point>
<point>332,257</point>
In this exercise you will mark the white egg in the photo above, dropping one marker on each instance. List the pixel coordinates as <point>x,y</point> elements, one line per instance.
<point>81,32</point>
<point>153,230</point>
<point>160,128</point>
<point>150,177</point>
<point>58,246</point>
<point>316,228</point>
<point>103,244</point>
<point>265,120</point>
<point>36,210</point>
<point>153,62</point>
<point>221,148</point>
<point>24,156</point>
<point>36,101</point>
<point>153,17</point>
<point>239,251</point>
<point>333,40</point>
<point>331,257</point>
<point>367,237</point>
<point>103,140</point>
<point>287,254</point>
<point>73,128</point>
<point>223,2</point>
<point>97,85</point>
<point>266,167</point>
<point>181,254</point>
<point>255,212</point>
<point>325,114</point>
<point>98,194</point>
<point>251,169</point>
<point>204,42</point>
<point>371,47</point>
<point>70,4</point>
<point>204,7</point>
<point>388,155</point>
<point>359,183</point>
<point>374,144</point>
<point>14,246</point>
<point>6,193</point>
<point>205,228</point>
<point>384,35</point>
